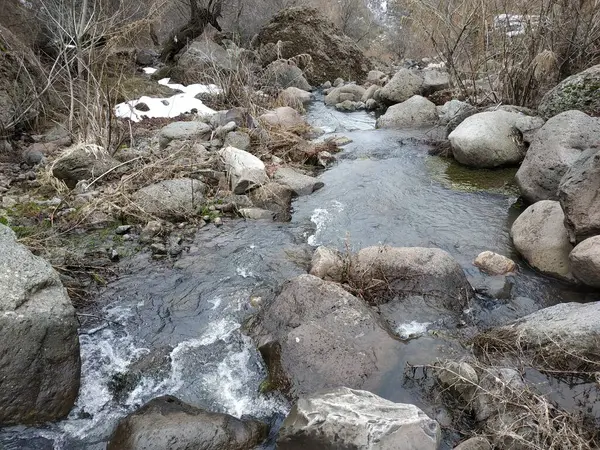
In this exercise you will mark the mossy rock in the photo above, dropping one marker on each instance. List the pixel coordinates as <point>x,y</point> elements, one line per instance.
<point>580,91</point>
<point>461,178</point>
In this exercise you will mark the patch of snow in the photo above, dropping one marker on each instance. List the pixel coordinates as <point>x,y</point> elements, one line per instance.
<point>411,330</point>
<point>149,70</point>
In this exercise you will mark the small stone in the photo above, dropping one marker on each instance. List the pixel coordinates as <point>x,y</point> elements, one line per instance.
<point>338,82</point>
<point>212,208</point>
<point>158,249</point>
<point>152,229</point>
<point>123,229</point>
<point>218,222</point>
<point>494,264</point>
<point>114,255</point>
<point>206,218</point>
<point>175,250</point>
<point>326,85</point>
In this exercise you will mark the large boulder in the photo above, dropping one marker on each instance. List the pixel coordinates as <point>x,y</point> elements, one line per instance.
<point>351,92</point>
<point>284,117</point>
<point>347,419</point>
<point>490,139</point>
<point>585,262</point>
<point>276,198</point>
<point>578,195</point>
<point>563,337</point>
<point>170,199</point>
<point>191,130</point>
<point>21,83</point>
<point>245,170</point>
<point>434,80</point>
<point>39,345</point>
<point>202,56</point>
<point>415,112</point>
<point>580,91</point>
<point>82,162</point>
<point>285,74</point>
<point>168,423</point>
<point>308,337</point>
<point>294,97</point>
<point>304,30</point>
<point>398,272</point>
<point>539,234</point>
<point>403,85</point>
<point>555,147</point>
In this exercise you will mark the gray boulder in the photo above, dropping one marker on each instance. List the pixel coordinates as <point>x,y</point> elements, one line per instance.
<point>183,131</point>
<point>168,423</point>
<point>555,147</point>
<point>343,418</point>
<point>284,74</point>
<point>488,139</point>
<point>578,195</point>
<point>327,264</point>
<point>434,80</point>
<point>401,87</point>
<point>349,106</point>
<point>369,93</point>
<point>377,77</point>
<point>307,336</point>
<point>294,97</point>
<point>171,199</point>
<point>351,92</point>
<point>559,337</point>
<point>39,345</point>
<point>238,139</point>
<point>82,162</point>
<point>539,234</point>
<point>415,112</point>
<point>452,113</point>
<point>299,183</point>
<point>284,117</point>
<point>204,55</point>
<point>256,214</point>
<point>245,170</point>
<point>580,91</point>
<point>585,262</point>
<point>276,198</point>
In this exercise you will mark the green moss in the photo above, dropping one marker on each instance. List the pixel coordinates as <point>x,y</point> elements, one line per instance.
<point>461,178</point>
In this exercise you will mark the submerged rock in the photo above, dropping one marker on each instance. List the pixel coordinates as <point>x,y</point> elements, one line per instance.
<point>168,423</point>
<point>307,336</point>
<point>415,112</point>
<point>39,345</point>
<point>299,183</point>
<point>554,149</point>
<point>580,91</point>
<point>578,195</point>
<point>539,234</point>
<point>343,418</point>
<point>585,261</point>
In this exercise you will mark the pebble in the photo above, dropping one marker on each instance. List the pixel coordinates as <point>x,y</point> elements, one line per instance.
<point>123,229</point>
<point>218,222</point>
<point>158,249</point>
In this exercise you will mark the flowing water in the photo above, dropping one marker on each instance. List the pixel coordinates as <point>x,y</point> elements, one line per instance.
<point>185,317</point>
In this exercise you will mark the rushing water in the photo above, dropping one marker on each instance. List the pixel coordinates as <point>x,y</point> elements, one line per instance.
<point>186,316</point>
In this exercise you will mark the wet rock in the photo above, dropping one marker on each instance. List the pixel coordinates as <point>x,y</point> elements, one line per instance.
<point>578,195</point>
<point>488,139</point>
<point>403,85</point>
<point>169,423</point>
<point>304,30</point>
<point>577,92</point>
<point>151,230</point>
<point>245,170</point>
<point>158,248</point>
<point>238,139</point>
<point>171,199</point>
<point>256,214</point>
<point>183,131</point>
<point>307,336</point>
<point>294,97</point>
<point>350,92</point>
<point>339,141</point>
<point>327,264</point>
<point>82,162</point>
<point>585,261</point>
<point>560,337</point>
<point>539,234</point>
<point>39,345</point>
<point>494,264</point>
<point>350,419</point>
<point>299,183</point>
<point>415,112</point>
<point>498,286</point>
<point>285,74</point>
<point>476,443</point>
<point>276,198</point>
<point>458,377</point>
<point>394,273</point>
<point>554,149</point>
<point>377,77</point>
<point>349,106</point>
<point>284,117</point>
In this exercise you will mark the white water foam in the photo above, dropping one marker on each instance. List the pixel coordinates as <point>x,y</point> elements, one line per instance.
<point>321,217</point>
<point>412,330</point>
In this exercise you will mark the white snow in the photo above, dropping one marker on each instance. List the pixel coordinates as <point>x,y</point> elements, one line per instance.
<point>149,70</point>
<point>184,102</point>
<point>411,330</point>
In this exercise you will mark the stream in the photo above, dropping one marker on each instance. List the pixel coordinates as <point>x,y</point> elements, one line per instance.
<point>183,319</point>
